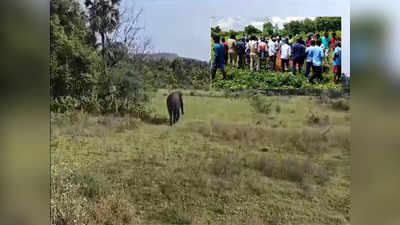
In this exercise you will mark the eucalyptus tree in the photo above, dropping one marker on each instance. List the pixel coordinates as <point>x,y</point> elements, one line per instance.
<point>104,17</point>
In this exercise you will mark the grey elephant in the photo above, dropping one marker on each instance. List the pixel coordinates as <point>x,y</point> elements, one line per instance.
<point>174,104</point>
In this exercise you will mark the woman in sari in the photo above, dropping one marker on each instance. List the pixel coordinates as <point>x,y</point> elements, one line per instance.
<point>278,55</point>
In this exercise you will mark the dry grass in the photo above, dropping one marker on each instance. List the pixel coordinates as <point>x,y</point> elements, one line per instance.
<point>223,163</point>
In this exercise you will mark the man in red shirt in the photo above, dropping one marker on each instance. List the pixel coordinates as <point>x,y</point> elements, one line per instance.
<point>226,50</point>
<point>333,41</point>
<point>262,51</point>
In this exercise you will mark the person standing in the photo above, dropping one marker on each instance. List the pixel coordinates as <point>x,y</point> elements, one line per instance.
<point>337,62</point>
<point>299,52</point>
<point>318,55</point>
<point>262,50</point>
<point>232,50</point>
<point>285,55</point>
<point>333,41</point>
<point>309,53</point>
<point>218,61</point>
<point>278,66</point>
<point>309,39</point>
<point>241,48</point>
<point>290,41</point>
<point>272,53</point>
<point>254,59</point>
<point>317,37</point>
<point>247,52</point>
<point>226,50</point>
<point>326,41</point>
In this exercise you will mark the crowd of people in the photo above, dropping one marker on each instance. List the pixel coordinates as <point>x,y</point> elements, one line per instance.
<point>279,54</point>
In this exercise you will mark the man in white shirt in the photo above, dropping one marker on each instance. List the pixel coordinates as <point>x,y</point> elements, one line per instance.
<point>254,59</point>
<point>285,54</point>
<point>232,51</point>
<point>272,49</point>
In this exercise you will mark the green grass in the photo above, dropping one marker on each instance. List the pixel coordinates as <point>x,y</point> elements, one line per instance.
<point>224,162</point>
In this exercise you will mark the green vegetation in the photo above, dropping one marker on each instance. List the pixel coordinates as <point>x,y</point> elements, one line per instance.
<point>116,78</point>
<point>229,160</point>
<point>224,162</point>
<point>239,79</point>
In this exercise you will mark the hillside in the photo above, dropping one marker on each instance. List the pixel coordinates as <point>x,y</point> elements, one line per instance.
<point>170,57</point>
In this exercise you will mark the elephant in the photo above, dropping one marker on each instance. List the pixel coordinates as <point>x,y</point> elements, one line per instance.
<point>174,105</point>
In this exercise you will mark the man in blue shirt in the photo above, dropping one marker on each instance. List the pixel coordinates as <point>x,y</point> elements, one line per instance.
<point>219,58</point>
<point>309,53</point>
<point>317,57</point>
<point>337,62</point>
<point>299,52</point>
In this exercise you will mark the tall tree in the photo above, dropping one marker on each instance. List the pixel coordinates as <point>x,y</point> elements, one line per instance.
<point>74,63</point>
<point>268,29</point>
<point>251,30</point>
<point>128,33</point>
<point>217,29</point>
<point>104,17</point>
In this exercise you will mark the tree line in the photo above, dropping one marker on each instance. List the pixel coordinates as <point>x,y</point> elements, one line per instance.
<point>294,27</point>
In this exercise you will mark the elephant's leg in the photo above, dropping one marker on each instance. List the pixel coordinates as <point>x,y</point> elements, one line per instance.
<point>177,115</point>
<point>170,117</point>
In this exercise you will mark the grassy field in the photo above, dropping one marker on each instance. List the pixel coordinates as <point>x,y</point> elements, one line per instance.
<point>258,160</point>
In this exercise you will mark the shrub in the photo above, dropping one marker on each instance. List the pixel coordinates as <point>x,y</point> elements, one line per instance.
<point>308,141</point>
<point>290,169</point>
<point>90,187</point>
<point>314,118</point>
<point>340,104</point>
<point>226,166</point>
<point>260,105</point>
<point>242,79</point>
<point>278,108</point>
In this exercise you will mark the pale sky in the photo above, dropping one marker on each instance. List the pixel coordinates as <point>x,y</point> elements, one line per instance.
<point>183,26</point>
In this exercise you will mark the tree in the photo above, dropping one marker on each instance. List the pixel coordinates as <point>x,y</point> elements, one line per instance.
<point>104,17</point>
<point>74,63</point>
<point>268,29</point>
<point>328,23</point>
<point>127,33</point>
<point>308,26</point>
<point>293,27</point>
<point>232,32</point>
<point>217,29</point>
<point>252,30</point>
<point>276,30</point>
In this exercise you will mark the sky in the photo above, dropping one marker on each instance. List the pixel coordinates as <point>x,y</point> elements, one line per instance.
<point>183,26</point>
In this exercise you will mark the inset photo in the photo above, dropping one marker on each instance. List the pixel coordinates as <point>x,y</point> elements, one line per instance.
<point>278,53</point>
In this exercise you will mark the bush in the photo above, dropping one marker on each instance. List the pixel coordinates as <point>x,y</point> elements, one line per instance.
<point>260,105</point>
<point>90,187</point>
<point>290,169</point>
<point>341,104</point>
